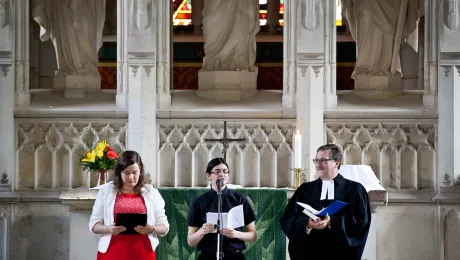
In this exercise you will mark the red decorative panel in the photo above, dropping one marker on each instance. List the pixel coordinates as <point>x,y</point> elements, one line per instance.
<point>108,77</point>
<point>344,80</point>
<point>185,77</point>
<point>267,78</point>
<point>270,78</point>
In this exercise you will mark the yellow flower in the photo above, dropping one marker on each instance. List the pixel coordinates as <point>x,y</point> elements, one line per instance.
<point>101,146</point>
<point>90,157</point>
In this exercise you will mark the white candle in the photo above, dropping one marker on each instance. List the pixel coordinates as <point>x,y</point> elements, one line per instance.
<point>297,150</point>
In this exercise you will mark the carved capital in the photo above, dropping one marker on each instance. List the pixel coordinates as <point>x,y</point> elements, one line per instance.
<point>5,68</point>
<point>3,14</point>
<point>310,14</point>
<point>451,14</point>
<point>446,70</point>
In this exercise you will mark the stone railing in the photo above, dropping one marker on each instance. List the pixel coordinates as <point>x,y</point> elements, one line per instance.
<point>263,160</point>
<point>48,151</point>
<point>402,155</point>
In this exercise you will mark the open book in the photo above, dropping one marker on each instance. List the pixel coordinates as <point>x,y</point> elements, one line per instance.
<point>233,219</point>
<point>315,214</point>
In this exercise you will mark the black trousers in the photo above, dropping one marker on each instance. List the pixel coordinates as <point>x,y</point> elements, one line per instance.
<point>236,255</point>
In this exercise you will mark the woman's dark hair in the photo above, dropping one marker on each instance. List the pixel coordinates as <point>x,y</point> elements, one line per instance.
<point>214,162</point>
<point>126,159</point>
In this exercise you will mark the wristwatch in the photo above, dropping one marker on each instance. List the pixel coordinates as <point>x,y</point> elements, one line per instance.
<point>153,230</point>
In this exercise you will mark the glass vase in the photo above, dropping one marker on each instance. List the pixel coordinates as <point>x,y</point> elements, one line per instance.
<point>102,177</point>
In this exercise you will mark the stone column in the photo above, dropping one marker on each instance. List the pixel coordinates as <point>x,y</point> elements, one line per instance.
<point>273,7</point>
<point>431,51</point>
<point>8,14</point>
<point>22,96</point>
<point>448,160</point>
<point>330,46</point>
<point>310,62</point>
<point>122,54</point>
<point>163,53</point>
<point>197,15</point>
<point>289,55</point>
<point>8,39</point>
<point>142,95</point>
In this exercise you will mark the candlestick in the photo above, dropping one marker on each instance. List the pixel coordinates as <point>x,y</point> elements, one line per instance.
<point>297,177</point>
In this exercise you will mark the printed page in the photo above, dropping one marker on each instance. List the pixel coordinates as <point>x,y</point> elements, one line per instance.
<point>309,208</point>
<point>236,217</point>
<point>211,217</point>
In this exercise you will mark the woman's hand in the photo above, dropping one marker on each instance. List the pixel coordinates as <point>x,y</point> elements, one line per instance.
<point>207,228</point>
<point>230,232</point>
<point>144,230</point>
<point>114,230</point>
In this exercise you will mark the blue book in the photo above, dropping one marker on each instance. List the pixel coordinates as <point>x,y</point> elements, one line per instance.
<point>331,209</point>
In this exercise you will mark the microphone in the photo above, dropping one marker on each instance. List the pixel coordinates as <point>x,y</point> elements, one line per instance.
<point>219,184</point>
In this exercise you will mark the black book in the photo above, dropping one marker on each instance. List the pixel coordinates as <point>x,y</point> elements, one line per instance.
<point>130,221</point>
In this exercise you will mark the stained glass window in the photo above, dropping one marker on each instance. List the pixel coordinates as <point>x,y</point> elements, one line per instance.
<point>182,12</point>
<point>338,13</point>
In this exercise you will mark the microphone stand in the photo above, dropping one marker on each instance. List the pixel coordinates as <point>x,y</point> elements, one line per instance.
<point>220,237</point>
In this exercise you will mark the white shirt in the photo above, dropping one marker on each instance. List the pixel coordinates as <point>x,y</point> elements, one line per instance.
<point>327,188</point>
<point>103,210</point>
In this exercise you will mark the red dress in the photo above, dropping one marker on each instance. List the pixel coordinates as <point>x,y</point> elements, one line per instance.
<point>127,247</point>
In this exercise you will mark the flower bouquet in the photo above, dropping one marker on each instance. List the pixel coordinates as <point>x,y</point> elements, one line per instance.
<point>101,159</point>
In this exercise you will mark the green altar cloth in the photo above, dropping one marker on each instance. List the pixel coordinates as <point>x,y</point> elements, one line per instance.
<point>268,204</point>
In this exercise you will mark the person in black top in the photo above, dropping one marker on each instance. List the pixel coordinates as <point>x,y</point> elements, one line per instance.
<point>341,236</point>
<point>200,233</point>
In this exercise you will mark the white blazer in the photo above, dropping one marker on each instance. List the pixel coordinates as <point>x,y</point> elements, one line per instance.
<point>103,211</point>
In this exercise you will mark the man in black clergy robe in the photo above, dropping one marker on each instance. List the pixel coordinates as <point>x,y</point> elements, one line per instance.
<point>341,236</point>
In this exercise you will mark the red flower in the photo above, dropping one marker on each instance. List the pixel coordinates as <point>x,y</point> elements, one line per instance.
<point>112,155</point>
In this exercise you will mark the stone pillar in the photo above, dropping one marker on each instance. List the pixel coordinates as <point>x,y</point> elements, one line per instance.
<point>8,16</point>
<point>22,96</point>
<point>289,55</point>
<point>142,97</point>
<point>310,77</point>
<point>273,7</point>
<point>330,46</point>
<point>431,51</point>
<point>448,160</point>
<point>122,54</point>
<point>8,39</point>
<point>197,15</point>
<point>163,53</point>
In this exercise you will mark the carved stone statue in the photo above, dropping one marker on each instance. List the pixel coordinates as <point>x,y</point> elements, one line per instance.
<point>75,28</point>
<point>379,27</point>
<point>229,30</point>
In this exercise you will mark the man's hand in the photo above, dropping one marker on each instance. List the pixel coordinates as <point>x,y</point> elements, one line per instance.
<point>318,224</point>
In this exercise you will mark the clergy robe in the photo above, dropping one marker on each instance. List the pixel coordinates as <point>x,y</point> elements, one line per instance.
<point>347,234</point>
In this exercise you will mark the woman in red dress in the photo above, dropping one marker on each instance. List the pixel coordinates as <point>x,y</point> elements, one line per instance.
<point>128,194</point>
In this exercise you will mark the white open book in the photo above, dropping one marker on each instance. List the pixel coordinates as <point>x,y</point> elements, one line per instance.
<point>315,214</point>
<point>233,219</point>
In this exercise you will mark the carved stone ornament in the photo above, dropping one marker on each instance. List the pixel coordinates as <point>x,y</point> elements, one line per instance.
<point>4,178</point>
<point>4,70</point>
<point>311,13</point>
<point>451,13</point>
<point>446,180</point>
<point>3,14</point>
